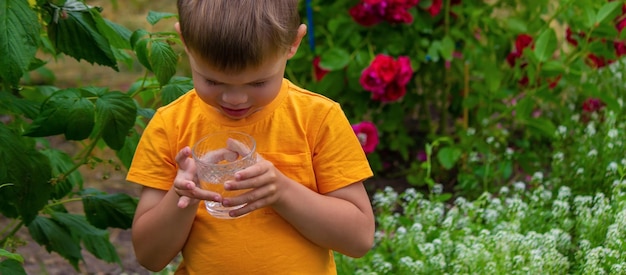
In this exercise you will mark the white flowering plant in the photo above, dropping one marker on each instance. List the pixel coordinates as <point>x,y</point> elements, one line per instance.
<point>512,231</point>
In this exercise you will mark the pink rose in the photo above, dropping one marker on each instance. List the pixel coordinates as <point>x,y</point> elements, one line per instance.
<point>367,134</point>
<point>405,72</point>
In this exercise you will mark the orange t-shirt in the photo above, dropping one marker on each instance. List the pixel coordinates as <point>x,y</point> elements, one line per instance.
<point>305,135</point>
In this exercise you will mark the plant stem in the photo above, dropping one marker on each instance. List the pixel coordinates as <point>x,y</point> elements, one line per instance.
<point>12,233</point>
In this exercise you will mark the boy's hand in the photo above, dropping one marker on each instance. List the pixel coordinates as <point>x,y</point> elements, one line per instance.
<point>265,180</point>
<point>185,183</point>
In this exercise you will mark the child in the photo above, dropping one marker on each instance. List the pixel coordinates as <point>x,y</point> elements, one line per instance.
<point>306,197</point>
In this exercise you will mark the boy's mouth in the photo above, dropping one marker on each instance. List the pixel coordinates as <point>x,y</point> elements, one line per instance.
<point>235,112</point>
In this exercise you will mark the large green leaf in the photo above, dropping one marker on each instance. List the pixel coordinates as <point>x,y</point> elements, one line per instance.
<point>109,210</point>
<point>56,237</point>
<point>334,59</point>
<point>62,163</point>
<point>608,11</point>
<point>128,151</point>
<point>177,87</point>
<point>163,61</point>
<point>448,156</point>
<point>546,45</point>
<point>25,174</point>
<point>95,240</point>
<point>76,34</point>
<point>11,266</point>
<point>9,255</point>
<point>154,16</point>
<point>19,38</point>
<point>117,35</point>
<point>65,112</point>
<point>115,115</point>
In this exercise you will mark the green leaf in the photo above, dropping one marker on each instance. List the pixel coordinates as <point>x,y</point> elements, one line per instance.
<point>65,112</point>
<point>62,163</point>
<point>334,59</point>
<point>27,172</point>
<point>19,38</point>
<point>78,36</point>
<point>13,256</point>
<point>448,156</point>
<point>608,11</point>
<point>154,16</point>
<point>141,50</point>
<point>117,35</point>
<point>11,266</point>
<point>128,150</point>
<point>163,61</point>
<point>447,48</point>
<point>516,25</point>
<point>109,210</point>
<point>95,240</point>
<point>546,45</point>
<point>55,237</point>
<point>544,126</point>
<point>17,105</point>
<point>115,115</point>
<point>177,87</point>
<point>552,68</point>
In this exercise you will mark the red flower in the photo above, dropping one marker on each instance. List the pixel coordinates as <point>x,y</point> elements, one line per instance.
<point>521,42</point>
<point>592,105</point>
<point>364,15</point>
<point>319,71</point>
<point>435,7</point>
<point>386,78</point>
<point>371,12</point>
<point>405,72</point>
<point>367,134</point>
<point>394,91</point>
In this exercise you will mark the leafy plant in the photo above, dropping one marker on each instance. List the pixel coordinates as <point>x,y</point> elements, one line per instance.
<point>499,71</point>
<point>37,180</point>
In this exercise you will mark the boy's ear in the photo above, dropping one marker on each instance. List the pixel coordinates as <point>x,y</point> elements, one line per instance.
<point>177,27</point>
<point>296,43</point>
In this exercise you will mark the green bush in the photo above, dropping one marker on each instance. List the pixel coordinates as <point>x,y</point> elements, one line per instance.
<point>464,98</point>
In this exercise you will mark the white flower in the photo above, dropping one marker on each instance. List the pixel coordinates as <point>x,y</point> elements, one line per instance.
<point>575,118</point>
<point>471,131</point>
<point>558,156</point>
<point>538,176</point>
<point>520,186</point>
<point>612,133</point>
<point>562,130</point>
<point>438,189</point>
<point>592,153</point>
<point>509,151</point>
<point>591,129</point>
<point>490,139</point>
<point>612,167</point>
<point>580,171</point>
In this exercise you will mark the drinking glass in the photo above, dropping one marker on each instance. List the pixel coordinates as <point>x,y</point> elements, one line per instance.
<point>218,156</point>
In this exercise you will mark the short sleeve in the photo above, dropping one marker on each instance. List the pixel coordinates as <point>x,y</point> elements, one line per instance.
<point>153,164</point>
<point>338,158</point>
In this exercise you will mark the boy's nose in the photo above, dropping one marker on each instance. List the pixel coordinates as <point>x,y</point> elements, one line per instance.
<point>234,97</point>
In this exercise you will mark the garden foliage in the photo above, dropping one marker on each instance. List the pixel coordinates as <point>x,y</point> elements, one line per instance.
<point>465,99</point>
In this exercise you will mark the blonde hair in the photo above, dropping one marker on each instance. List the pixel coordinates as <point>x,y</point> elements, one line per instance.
<point>233,35</point>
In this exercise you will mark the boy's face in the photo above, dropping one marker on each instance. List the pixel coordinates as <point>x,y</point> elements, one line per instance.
<point>238,95</point>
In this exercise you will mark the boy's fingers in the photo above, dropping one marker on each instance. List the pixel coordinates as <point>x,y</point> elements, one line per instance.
<point>218,155</point>
<point>238,147</point>
<point>182,155</point>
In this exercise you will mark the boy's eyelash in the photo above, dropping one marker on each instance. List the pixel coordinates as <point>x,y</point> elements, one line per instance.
<point>258,84</point>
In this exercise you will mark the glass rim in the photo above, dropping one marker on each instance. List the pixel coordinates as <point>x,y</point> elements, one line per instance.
<point>227,132</point>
